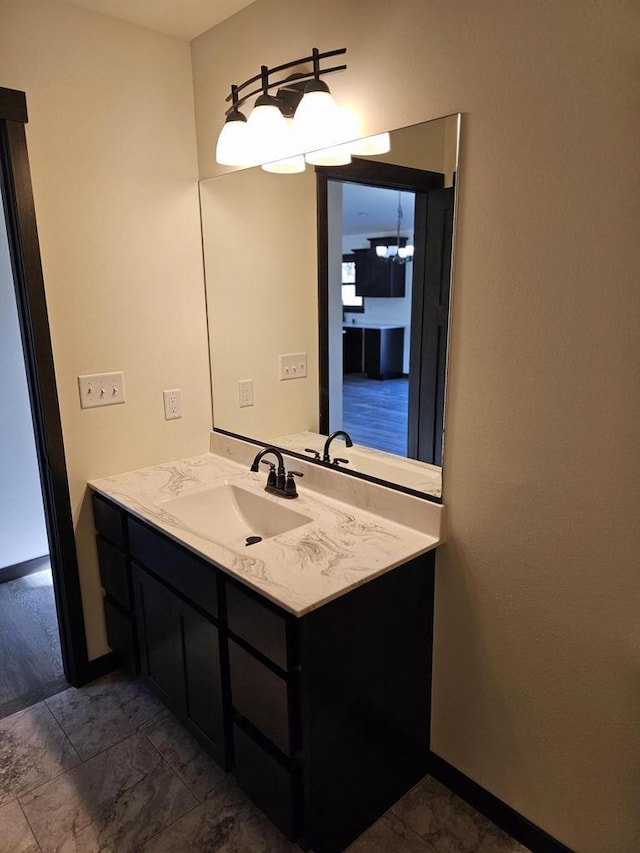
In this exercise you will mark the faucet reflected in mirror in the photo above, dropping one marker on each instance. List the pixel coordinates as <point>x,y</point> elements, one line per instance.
<point>266,251</point>
<point>339,433</point>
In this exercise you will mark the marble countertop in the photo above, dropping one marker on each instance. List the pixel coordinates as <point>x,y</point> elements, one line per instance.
<point>399,470</point>
<point>341,548</point>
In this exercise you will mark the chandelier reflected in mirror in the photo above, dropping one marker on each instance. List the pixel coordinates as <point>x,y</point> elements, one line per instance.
<point>402,251</point>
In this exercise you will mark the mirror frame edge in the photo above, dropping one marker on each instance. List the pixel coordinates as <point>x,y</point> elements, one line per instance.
<point>323,340</point>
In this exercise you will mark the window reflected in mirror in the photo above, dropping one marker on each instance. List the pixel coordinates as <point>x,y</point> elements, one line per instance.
<point>283,277</point>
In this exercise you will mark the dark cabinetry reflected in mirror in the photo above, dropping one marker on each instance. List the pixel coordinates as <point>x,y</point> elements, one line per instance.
<point>265,265</point>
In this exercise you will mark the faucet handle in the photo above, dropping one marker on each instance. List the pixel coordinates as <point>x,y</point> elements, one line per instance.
<point>316,453</point>
<point>290,490</point>
<point>337,459</point>
<point>271,478</point>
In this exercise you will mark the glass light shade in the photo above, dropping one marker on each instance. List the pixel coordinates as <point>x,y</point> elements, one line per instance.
<point>291,162</point>
<point>370,145</point>
<point>268,133</point>
<point>232,148</point>
<point>334,155</point>
<point>381,251</point>
<point>286,166</point>
<point>318,122</point>
<point>406,251</point>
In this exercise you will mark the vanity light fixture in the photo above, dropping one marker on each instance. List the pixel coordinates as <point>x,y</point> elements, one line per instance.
<point>318,124</point>
<point>232,148</point>
<point>268,131</point>
<point>370,145</point>
<point>295,118</point>
<point>397,253</point>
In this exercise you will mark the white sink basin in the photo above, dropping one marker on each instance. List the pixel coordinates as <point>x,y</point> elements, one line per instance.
<point>230,514</point>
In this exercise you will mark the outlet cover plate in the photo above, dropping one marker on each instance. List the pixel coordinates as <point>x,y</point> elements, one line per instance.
<point>293,365</point>
<point>245,393</point>
<point>101,389</point>
<point>172,404</point>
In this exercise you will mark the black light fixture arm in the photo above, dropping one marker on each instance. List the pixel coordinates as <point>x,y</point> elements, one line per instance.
<point>237,100</point>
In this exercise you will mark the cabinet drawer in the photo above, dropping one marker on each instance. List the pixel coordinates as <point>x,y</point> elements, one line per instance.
<point>194,578</point>
<point>108,520</point>
<point>268,783</point>
<point>261,696</point>
<point>114,573</point>
<point>258,625</point>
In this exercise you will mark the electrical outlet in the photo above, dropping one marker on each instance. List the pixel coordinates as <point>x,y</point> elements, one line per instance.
<point>293,366</point>
<point>245,392</point>
<point>172,404</point>
<point>101,389</point>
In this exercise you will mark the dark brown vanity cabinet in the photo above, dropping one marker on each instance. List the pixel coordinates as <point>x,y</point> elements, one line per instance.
<point>180,660</point>
<point>376,276</point>
<point>177,620</point>
<point>324,718</point>
<point>115,576</point>
<point>161,613</point>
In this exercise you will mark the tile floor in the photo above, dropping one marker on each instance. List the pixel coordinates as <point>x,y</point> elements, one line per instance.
<point>106,768</point>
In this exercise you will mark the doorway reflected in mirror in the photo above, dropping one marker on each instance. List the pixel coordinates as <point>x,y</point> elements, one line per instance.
<point>382,374</point>
<point>376,342</point>
<point>265,276</point>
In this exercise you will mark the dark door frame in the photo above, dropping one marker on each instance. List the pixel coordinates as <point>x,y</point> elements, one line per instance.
<point>430,318</point>
<point>392,176</point>
<point>24,250</point>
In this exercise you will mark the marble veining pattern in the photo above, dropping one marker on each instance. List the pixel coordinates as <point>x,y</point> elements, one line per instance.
<point>301,569</point>
<point>157,791</point>
<point>15,833</point>
<point>447,824</point>
<point>387,836</point>
<point>33,749</point>
<point>104,712</point>
<point>232,828</point>
<point>204,778</point>
<point>114,801</point>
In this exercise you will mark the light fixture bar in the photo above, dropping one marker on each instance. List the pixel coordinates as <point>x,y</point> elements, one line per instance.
<point>237,99</point>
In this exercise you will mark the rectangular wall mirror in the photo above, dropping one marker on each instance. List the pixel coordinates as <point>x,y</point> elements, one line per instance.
<point>349,269</point>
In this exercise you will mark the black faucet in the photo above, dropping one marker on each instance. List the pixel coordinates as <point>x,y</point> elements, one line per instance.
<point>338,433</point>
<point>278,482</point>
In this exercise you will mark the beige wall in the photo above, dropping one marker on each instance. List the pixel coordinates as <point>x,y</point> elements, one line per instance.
<point>113,162</point>
<point>261,268</point>
<point>260,253</point>
<point>537,649</point>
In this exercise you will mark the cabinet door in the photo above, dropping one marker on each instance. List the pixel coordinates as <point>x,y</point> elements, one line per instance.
<point>378,276</point>
<point>180,660</point>
<point>369,281</point>
<point>121,636</point>
<point>160,633</point>
<point>203,681</point>
<point>352,350</point>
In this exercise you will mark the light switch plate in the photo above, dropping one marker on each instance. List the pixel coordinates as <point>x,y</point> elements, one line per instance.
<point>293,366</point>
<point>101,389</point>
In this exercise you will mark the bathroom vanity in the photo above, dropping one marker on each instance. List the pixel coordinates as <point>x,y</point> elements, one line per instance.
<point>301,663</point>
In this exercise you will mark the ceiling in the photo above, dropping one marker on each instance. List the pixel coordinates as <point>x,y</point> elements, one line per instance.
<point>184,19</point>
<point>374,210</point>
